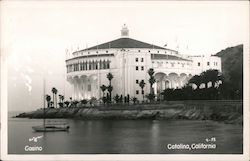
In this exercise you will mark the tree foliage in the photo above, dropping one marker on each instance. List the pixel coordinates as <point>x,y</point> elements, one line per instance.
<point>54,92</point>
<point>219,89</point>
<point>84,102</point>
<point>151,95</point>
<point>110,87</point>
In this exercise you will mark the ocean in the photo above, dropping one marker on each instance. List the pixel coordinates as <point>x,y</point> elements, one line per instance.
<point>126,137</point>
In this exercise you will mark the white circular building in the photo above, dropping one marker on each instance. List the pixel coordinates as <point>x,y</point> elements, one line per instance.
<point>129,60</point>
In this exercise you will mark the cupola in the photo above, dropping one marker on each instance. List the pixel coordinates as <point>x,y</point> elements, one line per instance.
<point>124,31</point>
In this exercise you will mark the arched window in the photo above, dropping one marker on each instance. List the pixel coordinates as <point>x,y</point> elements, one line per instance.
<point>100,64</point>
<point>82,65</point>
<point>108,64</point>
<point>86,65</point>
<point>90,65</point>
<point>104,65</point>
<point>93,65</point>
<point>77,67</point>
<point>96,65</point>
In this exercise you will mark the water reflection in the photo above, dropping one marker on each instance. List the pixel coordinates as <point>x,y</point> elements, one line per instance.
<point>125,136</point>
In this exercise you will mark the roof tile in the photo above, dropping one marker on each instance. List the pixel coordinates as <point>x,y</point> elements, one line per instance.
<point>124,43</point>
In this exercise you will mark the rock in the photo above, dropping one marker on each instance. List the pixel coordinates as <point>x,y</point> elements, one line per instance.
<point>144,111</point>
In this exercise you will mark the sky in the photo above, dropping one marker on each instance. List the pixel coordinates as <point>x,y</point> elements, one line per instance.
<point>36,34</point>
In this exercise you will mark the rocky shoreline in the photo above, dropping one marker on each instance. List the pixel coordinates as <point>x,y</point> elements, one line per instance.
<point>227,113</point>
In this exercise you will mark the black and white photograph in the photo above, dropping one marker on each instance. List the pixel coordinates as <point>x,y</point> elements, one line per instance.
<point>124,80</point>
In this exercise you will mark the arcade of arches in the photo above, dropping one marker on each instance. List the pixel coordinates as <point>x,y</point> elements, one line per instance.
<point>88,65</point>
<point>84,86</point>
<point>172,80</point>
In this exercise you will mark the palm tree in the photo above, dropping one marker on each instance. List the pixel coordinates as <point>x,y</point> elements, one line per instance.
<point>53,95</point>
<point>92,101</point>
<point>56,98</point>
<point>151,79</point>
<point>116,98</point>
<point>221,78</point>
<point>61,98</point>
<point>48,99</point>
<point>103,88</point>
<point>195,80</point>
<point>60,104</point>
<point>210,76</point>
<point>110,88</point>
<point>70,98</point>
<point>75,102</point>
<point>213,76</point>
<point>67,103</point>
<point>134,99</point>
<point>142,85</point>
<point>110,76</point>
<point>84,102</point>
<point>151,95</point>
<point>54,91</point>
<point>51,104</point>
<point>204,78</point>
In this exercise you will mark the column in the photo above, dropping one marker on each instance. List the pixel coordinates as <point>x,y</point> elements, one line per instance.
<point>86,88</point>
<point>71,81</point>
<point>77,90</point>
<point>74,86</point>
<point>163,84</point>
<point>155,88</point>
<point>81,88</point>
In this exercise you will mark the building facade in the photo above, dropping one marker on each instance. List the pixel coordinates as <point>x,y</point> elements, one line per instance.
<point>129,60</point>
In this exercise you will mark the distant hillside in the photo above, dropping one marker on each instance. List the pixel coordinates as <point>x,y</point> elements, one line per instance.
<point>231,59</point>
<point>232,67</point>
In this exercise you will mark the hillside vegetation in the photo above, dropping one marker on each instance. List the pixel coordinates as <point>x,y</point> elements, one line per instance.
<point>227,85</point>
<point>232,70</point>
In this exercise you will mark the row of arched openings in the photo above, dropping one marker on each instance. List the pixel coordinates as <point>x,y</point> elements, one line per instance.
<point>89,65</point>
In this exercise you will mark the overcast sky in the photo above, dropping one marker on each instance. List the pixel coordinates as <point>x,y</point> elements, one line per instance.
<point>35,35</point>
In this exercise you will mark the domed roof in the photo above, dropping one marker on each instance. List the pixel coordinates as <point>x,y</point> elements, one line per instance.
<point>124,43</point>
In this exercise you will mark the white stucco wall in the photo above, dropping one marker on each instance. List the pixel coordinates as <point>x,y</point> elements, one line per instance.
<point>123,67</point>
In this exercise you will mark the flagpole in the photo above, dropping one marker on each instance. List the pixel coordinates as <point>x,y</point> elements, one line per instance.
<point>152,54</point>
<point>44,84</point>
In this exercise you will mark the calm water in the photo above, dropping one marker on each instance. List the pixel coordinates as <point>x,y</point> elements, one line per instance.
<point>124,136</point>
